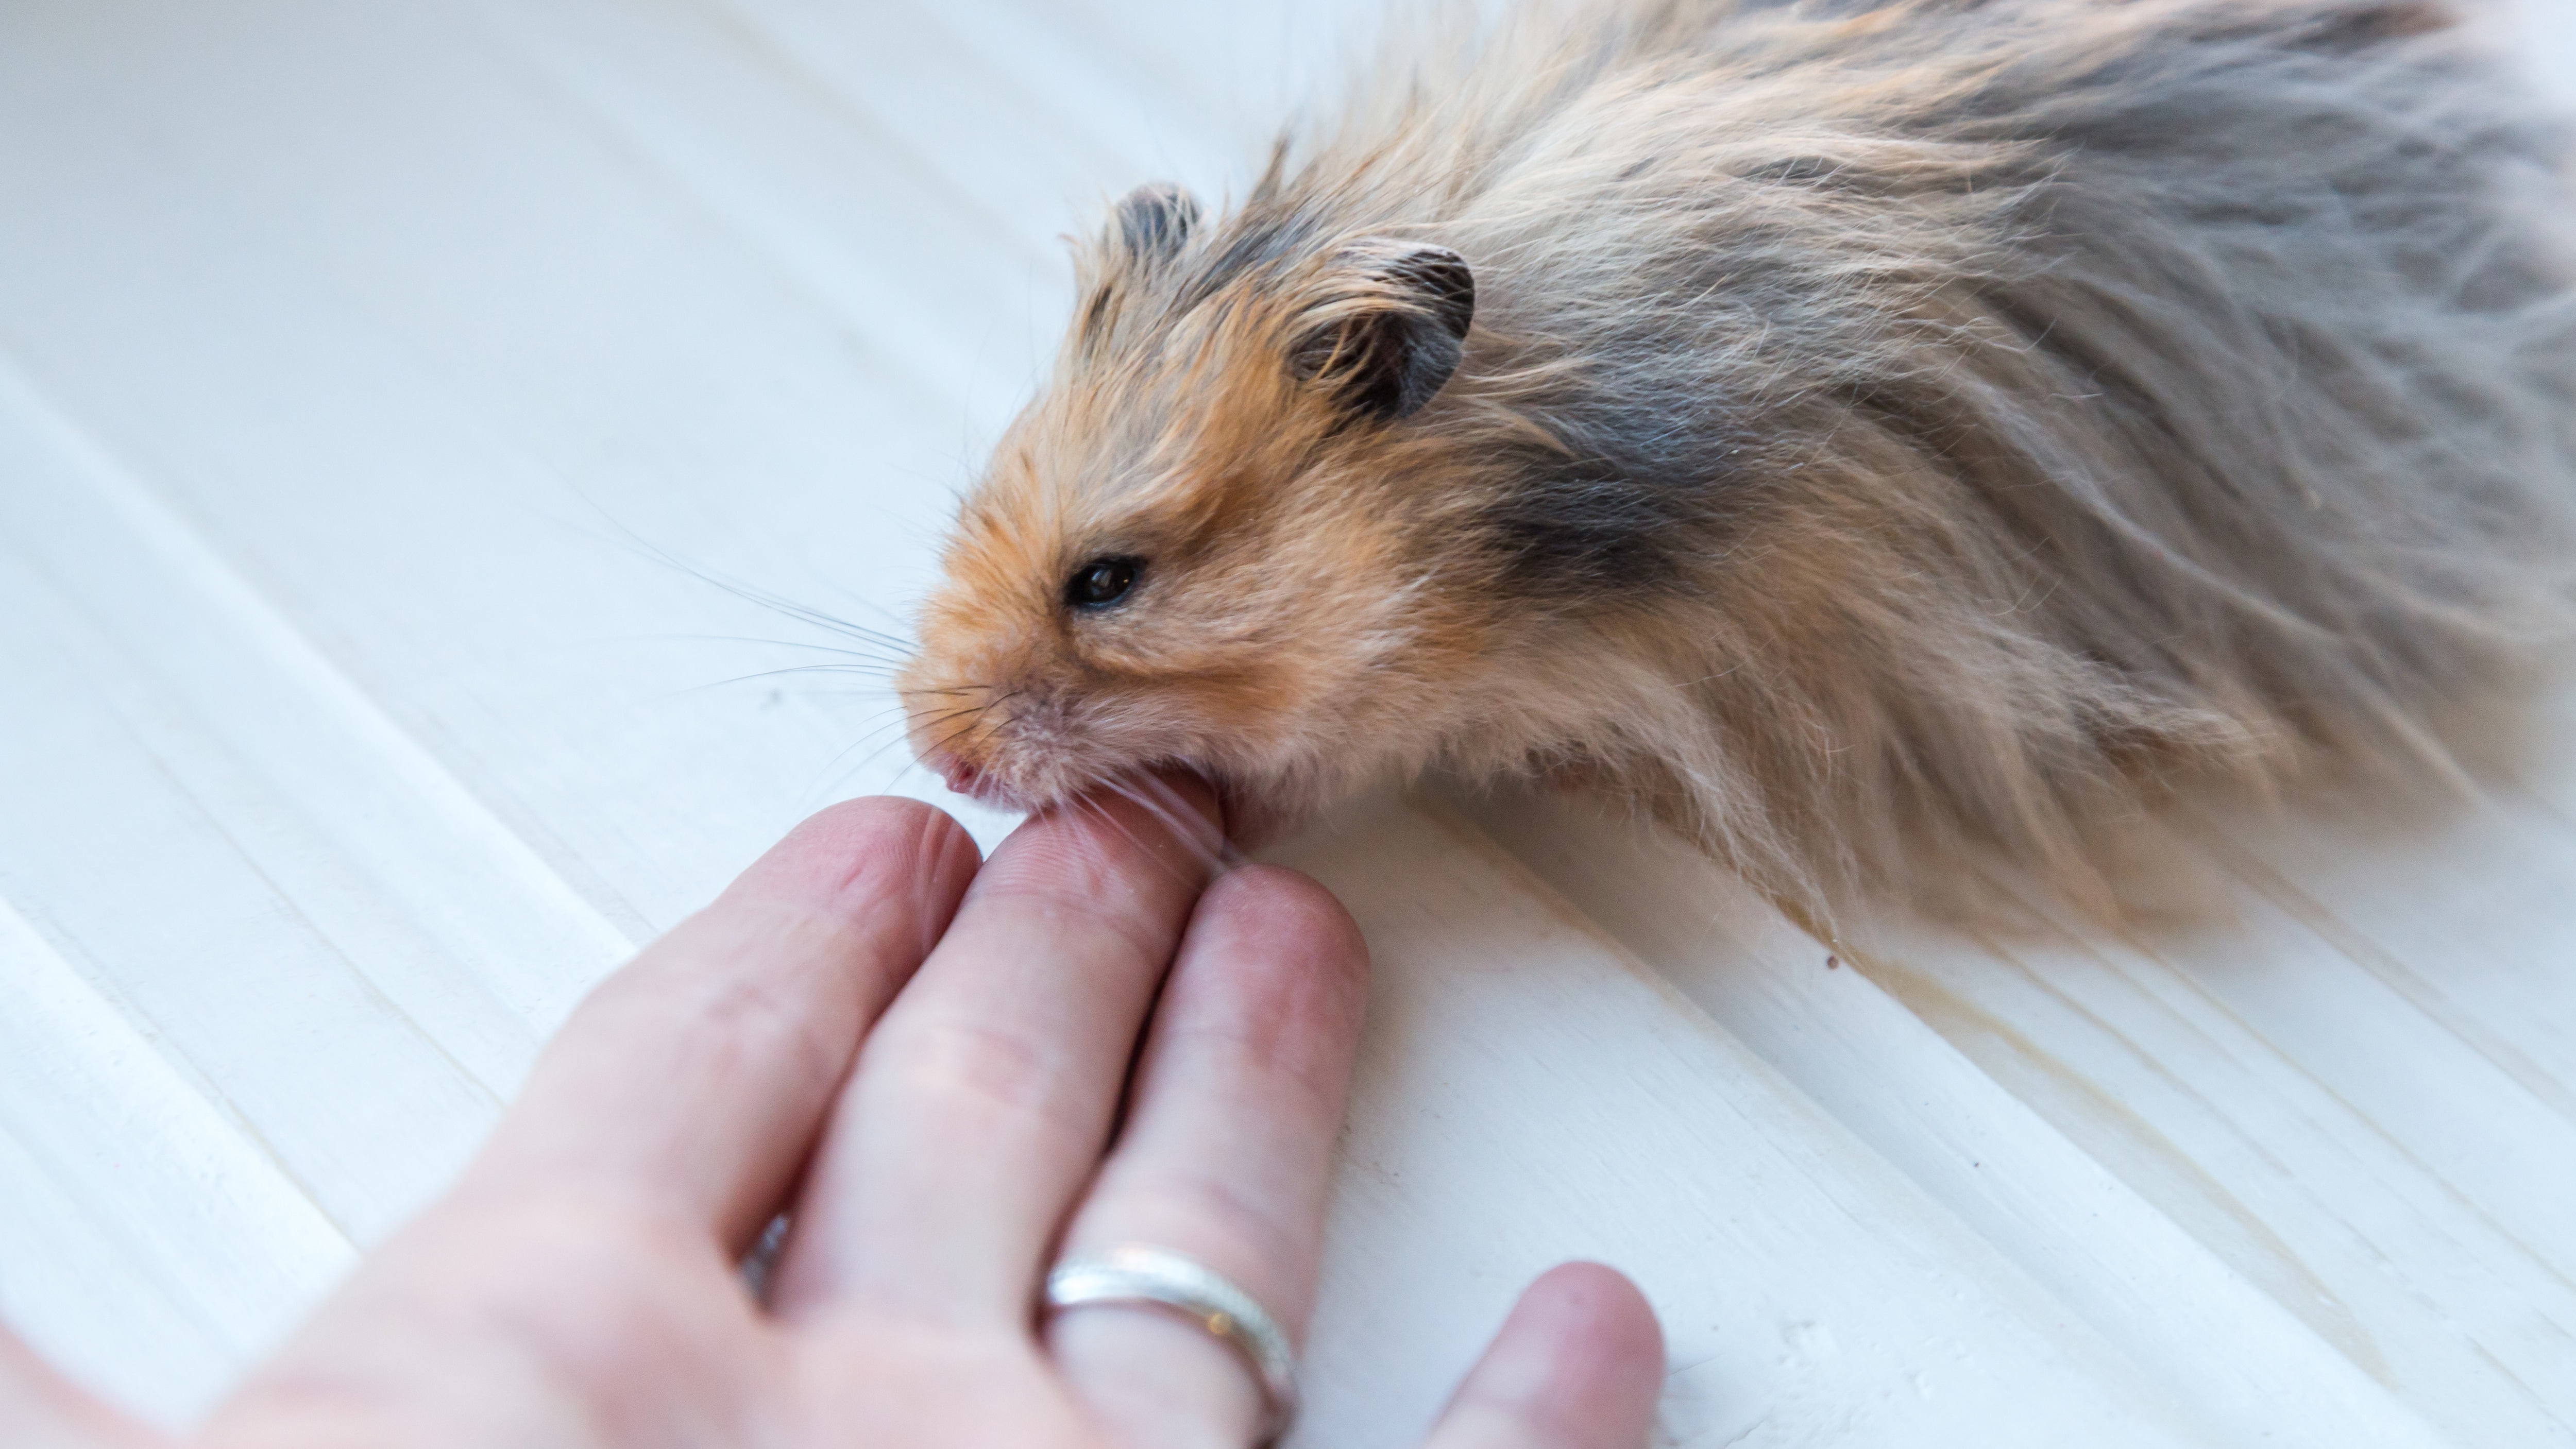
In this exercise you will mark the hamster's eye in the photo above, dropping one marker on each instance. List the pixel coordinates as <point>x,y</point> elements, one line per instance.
<point>1102,582</point>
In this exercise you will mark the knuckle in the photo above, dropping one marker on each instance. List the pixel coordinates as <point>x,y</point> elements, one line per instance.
<point>750,1020</point>
<point>1243,1234</point>
<point>1099,900</point>
<point>962,1071</point>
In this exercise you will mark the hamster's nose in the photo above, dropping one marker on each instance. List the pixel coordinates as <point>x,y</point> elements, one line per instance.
<point>961,777</point>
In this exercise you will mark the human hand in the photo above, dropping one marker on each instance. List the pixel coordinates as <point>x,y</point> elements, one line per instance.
<point>932,1064</point>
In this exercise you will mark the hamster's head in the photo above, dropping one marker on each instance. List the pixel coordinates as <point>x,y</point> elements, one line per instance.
<point>1203,545</point>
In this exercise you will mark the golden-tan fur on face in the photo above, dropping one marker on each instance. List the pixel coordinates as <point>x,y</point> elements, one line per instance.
<point>1205,434</point>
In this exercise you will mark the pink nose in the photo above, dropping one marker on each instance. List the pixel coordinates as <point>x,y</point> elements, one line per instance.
<point>962,777</point>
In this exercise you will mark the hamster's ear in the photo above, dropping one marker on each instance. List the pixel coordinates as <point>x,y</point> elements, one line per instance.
<point>1152,221</point>
<point>1389,327</point>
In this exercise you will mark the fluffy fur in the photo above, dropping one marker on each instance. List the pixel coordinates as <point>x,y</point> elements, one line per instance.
<point>1889,434</point>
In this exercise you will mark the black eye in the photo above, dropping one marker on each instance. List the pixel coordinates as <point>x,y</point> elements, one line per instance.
<point>1102,581</point>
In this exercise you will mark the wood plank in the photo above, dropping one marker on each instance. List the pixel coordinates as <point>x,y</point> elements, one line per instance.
<point>232,676</point>
<point>1527,1093</point>
<point>118,863</point>
<point>154,1242</point>
<point>453,517</point>
<point>2226,1079</point>
<point>2187,1311</point>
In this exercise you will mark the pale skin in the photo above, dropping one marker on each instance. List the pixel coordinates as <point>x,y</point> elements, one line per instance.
<point>926,1059</point>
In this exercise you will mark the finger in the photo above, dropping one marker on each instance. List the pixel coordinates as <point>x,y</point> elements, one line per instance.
<point>982,1102</point>
<point>40,1409</point>
<point>1227,1153</point>
<point>694,1081</point>
<point>1578,1365</point>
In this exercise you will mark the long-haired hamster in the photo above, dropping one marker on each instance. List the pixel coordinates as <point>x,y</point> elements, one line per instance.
<point>1869,434</point>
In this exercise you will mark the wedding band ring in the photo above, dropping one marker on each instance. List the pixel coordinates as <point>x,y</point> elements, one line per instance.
<point>1142,1276</point>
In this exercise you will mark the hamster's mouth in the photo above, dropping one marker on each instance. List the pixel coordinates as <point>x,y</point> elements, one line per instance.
<point>976,783</point>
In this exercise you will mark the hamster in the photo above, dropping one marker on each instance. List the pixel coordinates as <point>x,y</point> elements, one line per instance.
<point>1872,437</point>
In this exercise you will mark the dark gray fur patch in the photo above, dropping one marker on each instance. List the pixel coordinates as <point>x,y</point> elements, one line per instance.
<point>1642,493</point>
<point>1571,533</point>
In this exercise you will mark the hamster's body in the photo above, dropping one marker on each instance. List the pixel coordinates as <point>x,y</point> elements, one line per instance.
<point>1887,432</point>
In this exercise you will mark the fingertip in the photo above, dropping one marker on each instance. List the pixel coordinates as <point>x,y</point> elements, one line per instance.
<point>855,854</point>
<point>1579,1364</point>
<point>1291,914</point>
<point>1299,899</point>
<point>1153,830</point>
<point>1601,1308</point>
<point>951,859</point>
<point>881,820</point>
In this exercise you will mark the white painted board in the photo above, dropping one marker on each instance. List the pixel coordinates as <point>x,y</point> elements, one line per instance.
<point>386,387</point>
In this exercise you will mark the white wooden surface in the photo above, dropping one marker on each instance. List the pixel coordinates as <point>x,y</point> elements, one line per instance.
<point>380,381</point>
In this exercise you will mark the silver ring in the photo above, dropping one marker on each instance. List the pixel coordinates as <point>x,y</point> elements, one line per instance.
<point>1159,1278</point>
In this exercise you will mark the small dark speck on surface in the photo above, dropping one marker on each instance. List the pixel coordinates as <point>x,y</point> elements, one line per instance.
<point>1833,963</point>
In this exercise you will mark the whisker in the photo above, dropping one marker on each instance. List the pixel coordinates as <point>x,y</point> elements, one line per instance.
<point>882,654</point>
<point>1090,800</point>
<point>961,732</point>
<point>749,593</point>
<point>863,673</point>
<point>1096,854</point>
<point>1166,804</point>
<point>870,759</point>
<point>1186,825</point>
<point>945,715</point>
<point>904,723</point>
<point>866,670</point>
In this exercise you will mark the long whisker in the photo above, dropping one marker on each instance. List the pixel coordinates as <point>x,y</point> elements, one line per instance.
<point>962,730</point>
<point>1165,803</point>
<point>1090,800</point>
<point>749,593</point>
<point>933,721</point>
<point>904,723</point>
<point>869,671</point>
<point>870,759</point>
<point>880,654</point>
<point>1096,854</point>
<point>1186,825</point>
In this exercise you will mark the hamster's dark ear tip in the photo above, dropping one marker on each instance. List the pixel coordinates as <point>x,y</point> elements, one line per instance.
<point>1447,286</point>
<point>1155,220</point>
<point>1393,329</point>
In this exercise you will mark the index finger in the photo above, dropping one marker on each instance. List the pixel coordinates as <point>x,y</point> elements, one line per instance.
<point>694,1081</point>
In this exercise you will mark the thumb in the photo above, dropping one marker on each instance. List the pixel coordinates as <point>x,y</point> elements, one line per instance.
<point>1578,1365</point>
<point>40,1409</point>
